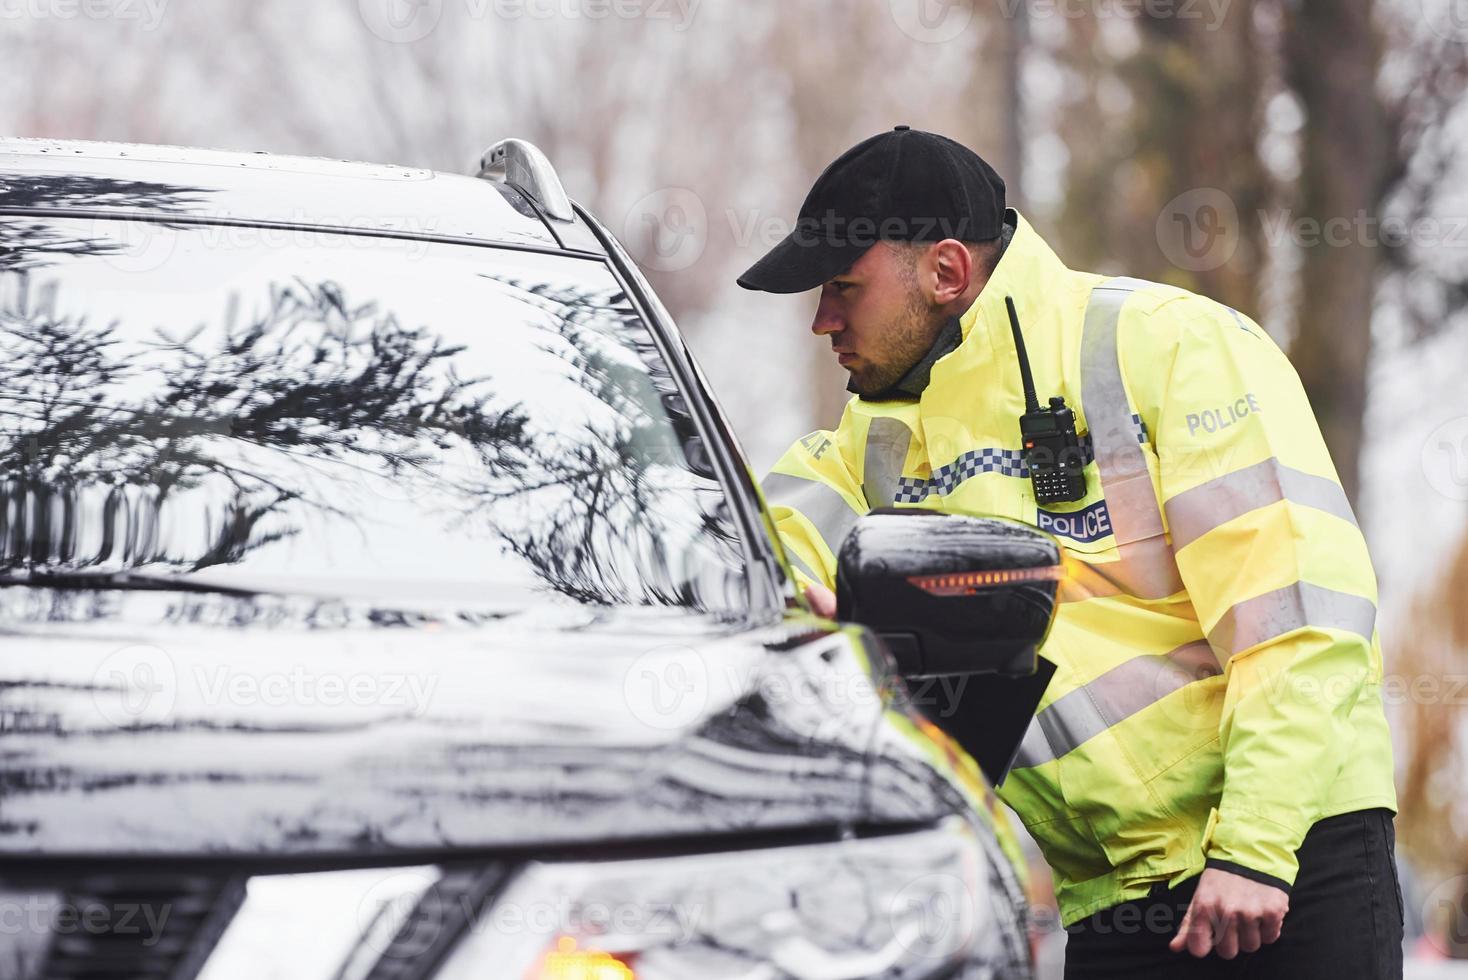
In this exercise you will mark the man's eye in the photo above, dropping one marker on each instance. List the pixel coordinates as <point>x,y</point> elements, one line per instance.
<point>842,287</point>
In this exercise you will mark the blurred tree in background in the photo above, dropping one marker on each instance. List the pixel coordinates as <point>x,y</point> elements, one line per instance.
<point>1281,107</point>
<point>1432,820</point>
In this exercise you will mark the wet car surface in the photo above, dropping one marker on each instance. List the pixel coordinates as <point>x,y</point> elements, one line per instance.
<point>372,555</point>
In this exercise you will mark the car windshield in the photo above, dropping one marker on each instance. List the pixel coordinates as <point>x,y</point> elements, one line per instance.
<point>345,415</point>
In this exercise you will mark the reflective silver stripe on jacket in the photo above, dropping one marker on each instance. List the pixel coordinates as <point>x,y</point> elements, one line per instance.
<point>818,503</point>
<point>1273,614</point>
<point>883,459</point>
<point>1193,513</point>
<point>1116,695</point>
<point>1145,566</point>
<point>882,462</point>
<point>800,564</point>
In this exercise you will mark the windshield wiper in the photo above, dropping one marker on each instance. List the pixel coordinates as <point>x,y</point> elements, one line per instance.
<point>124,581</point>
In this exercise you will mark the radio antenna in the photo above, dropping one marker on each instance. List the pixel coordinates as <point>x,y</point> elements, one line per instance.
<point>1032,404</point>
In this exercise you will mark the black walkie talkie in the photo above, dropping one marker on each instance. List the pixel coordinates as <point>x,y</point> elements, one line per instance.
<point>1052,448</point>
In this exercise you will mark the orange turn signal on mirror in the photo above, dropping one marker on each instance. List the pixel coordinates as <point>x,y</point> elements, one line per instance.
<point>568,962</point>
<point>967,583</point>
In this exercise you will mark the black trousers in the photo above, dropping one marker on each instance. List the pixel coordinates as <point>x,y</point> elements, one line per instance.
<point>1344,922</point>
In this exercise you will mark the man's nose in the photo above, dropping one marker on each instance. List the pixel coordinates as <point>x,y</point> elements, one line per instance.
<point>827,320</point>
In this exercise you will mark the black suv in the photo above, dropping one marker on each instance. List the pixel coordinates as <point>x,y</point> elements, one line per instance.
<point>383,595</point>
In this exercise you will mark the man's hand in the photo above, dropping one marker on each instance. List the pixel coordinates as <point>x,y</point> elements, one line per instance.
<point>1230,913</point>
<point>822,600</point>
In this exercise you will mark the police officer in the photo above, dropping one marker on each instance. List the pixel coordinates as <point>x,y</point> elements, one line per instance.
<point>1209,773</point>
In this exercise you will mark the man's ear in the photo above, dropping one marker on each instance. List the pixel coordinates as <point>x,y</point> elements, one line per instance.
<point>952,267</point>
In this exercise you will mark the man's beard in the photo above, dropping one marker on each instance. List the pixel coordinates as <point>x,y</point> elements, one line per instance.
<point>905,343</point>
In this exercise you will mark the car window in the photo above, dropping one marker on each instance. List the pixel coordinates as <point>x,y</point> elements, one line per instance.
<point>289,410</point>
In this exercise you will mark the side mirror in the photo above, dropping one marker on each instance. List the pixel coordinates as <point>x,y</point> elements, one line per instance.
<point>950,594</point>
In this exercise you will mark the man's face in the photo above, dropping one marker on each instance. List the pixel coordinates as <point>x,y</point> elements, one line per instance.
<point>878,319</point>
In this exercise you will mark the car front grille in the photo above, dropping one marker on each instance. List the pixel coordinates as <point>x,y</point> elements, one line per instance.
<point>136,927</point>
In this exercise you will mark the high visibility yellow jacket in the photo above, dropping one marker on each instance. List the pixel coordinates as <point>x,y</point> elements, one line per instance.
<point>1218,681</point>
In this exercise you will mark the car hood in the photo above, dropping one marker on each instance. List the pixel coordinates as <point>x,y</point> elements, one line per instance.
<point>160,723</point>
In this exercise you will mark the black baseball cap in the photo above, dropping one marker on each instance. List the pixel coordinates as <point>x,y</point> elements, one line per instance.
<point>903,186</point>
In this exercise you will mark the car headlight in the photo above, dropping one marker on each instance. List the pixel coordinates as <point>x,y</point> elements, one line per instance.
<point>909,905</point>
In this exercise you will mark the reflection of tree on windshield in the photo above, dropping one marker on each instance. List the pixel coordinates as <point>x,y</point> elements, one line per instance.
<point>200,444</point>
<point>28,243</point>
<point>598,519</point>
<point>308,376</point>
